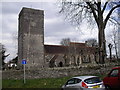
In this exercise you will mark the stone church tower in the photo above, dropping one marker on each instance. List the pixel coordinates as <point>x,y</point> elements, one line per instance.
<point>31,38</point>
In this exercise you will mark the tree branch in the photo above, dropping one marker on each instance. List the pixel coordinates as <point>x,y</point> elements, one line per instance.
<point>114,21</point>
<point>104,7</point>
<point>79,4</point>
<point>93,11</point>
<point>108,16</point>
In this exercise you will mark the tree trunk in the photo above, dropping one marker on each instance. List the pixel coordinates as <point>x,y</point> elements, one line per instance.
<point>110,50</point>
<point>101,35</point>
<point>110,55</point>
<point>102,44</point>
<point>116,51</point>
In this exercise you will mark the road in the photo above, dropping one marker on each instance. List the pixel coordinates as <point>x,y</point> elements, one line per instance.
<point>85,89</point>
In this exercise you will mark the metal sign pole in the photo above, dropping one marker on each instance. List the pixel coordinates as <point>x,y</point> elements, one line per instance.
<point>24,74</point>
<point>24,62</point>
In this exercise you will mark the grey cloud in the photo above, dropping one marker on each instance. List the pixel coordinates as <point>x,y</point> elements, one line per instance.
<point>58,28</point>
<point>9,23</point>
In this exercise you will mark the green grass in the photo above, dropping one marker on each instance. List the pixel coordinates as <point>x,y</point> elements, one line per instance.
<point>37,83</point>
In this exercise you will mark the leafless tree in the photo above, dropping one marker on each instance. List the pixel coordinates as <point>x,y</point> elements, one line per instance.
<point>113,38</point>
<point>110,50</point>
<point>92,11</point>
<point>2,55</point>
<point>91,42</point>
<point>65,42</point>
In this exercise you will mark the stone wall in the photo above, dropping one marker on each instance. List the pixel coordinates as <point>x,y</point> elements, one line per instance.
<point>59,72</point>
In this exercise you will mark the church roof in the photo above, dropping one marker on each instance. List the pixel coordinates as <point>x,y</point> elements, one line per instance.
<point>77,44</point>
<point>60,49</point>
<point>55,49</point>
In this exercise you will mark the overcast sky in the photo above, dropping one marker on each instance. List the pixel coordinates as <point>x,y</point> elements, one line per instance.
<point>56,28</point>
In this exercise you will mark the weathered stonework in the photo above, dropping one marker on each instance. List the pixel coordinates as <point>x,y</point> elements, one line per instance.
<point>31,38</point>
<point>84,69</point>
<point>70,55</point>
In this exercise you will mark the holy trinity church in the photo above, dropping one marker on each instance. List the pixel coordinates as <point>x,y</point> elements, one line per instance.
<point>31,45</point>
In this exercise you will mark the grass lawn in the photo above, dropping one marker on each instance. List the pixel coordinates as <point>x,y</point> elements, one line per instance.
<point>37,83</point>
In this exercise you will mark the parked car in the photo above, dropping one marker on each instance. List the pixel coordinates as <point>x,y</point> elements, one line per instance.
<point>83,82</point>
<point>112,80</point>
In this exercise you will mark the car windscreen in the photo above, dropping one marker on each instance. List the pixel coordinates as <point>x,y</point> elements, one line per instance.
<point>92,80</point>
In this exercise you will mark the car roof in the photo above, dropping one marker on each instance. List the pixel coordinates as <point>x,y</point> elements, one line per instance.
<point>116,68</point>
<point>84,77</point>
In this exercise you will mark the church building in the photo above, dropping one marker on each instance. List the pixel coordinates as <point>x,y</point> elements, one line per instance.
<point>32,49</point>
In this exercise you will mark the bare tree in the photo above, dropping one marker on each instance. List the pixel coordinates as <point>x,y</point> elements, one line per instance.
<point>113,37</point>
<point>65,41</point>
<point>91,42</point>
<point>110,50</point>
<point>2,55</point>
<point>119,33</point>
<point>92,11</point>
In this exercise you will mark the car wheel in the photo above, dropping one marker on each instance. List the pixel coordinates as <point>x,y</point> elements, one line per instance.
<point>107,87</point>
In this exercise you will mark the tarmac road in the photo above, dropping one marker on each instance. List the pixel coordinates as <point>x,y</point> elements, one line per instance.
<point>86,89</point>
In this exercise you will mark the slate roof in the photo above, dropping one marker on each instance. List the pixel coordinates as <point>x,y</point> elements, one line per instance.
<point>77,44</point>
<point>59,49</point>
<point>55,49</point>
